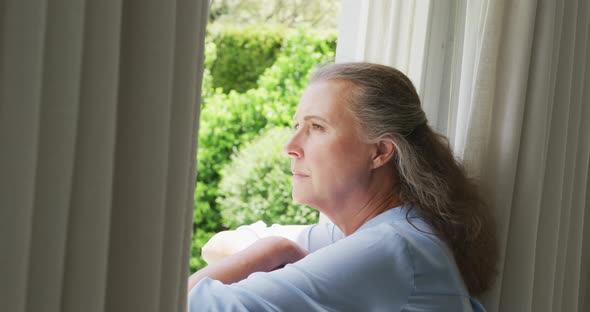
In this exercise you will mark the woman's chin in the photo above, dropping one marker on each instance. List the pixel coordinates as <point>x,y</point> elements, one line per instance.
<point>301,199</point>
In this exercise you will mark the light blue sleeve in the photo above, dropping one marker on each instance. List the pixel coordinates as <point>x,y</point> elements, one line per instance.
<point>383,268</point>
<point>359,273</point>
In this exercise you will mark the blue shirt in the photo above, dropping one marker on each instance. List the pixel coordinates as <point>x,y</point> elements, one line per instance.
<point>386,265</point>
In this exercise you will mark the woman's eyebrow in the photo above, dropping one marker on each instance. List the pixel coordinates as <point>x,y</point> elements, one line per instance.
<point>308,117</point>
<point>312,117</point>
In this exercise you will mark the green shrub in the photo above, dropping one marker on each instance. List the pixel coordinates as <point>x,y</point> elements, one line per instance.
<point>229,120</point>
<point>207,88</point>
<point>288,76</point>
<point>226,122</point>
<point>199,239</point>
<point>247,52</point>
<point>256,185</point>
<point>205,217</point>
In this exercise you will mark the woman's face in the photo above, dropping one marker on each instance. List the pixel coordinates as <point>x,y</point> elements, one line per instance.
<point>329,161</point>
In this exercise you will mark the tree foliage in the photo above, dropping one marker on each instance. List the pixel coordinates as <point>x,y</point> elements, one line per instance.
<point>292,13</point>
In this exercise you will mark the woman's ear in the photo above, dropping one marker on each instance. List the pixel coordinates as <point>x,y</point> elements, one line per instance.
<point>384,152</point>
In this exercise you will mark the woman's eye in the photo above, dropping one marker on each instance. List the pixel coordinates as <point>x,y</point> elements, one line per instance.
<point>316,127</point>
<point>296,126</point>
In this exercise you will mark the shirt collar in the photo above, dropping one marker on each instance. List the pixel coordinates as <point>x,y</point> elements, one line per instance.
<point>398,213</point>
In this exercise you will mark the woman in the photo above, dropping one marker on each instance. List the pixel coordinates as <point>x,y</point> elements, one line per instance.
<point>416,234</point>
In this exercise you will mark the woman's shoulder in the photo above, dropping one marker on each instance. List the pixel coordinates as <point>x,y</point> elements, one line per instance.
<point>406,224</point>
<point>432,262</point>
<point>393,236</point>
<point>399,255</point>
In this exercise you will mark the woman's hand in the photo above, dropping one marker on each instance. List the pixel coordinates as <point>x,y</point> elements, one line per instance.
<point>264,255</point>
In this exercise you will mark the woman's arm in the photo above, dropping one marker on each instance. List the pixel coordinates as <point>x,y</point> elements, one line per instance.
<point>307,237</point>
<point>264,255</point>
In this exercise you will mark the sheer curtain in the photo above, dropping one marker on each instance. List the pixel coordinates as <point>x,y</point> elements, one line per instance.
<point>508,82</point>
<point>98,118</point>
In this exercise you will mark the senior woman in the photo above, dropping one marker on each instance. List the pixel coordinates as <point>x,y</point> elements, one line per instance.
<point>410,233</point>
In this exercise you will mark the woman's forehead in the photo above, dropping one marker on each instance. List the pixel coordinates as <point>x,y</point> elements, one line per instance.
<point>326,99</point>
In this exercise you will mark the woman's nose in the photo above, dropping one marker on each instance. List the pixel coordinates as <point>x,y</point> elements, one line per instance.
<point>293,148</point>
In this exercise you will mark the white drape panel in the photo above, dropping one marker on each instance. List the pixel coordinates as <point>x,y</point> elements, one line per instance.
<point>98,120</point>
<point>531,149</point>
<point>514,100</point>
<point>401,32</point>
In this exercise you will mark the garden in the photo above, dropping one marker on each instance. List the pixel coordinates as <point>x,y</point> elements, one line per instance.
<point>252,82</point>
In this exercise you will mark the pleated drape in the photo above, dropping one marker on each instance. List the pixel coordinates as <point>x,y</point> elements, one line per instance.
<point>534,160</point>
<point>516,106</point>
<point>98,120</point>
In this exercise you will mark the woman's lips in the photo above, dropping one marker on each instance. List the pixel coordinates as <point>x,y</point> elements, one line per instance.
<point>299,175</point>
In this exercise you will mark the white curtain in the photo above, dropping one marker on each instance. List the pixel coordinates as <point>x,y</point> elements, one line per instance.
<point>98,120</point>
<point>509,83</point>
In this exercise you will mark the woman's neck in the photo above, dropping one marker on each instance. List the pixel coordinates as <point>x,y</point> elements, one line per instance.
<point>356,209</point>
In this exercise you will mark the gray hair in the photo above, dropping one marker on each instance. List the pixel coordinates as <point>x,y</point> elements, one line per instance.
<point>384,100</point>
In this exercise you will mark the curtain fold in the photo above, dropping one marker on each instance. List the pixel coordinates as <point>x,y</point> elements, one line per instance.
<point>517,107</point>
<point>141,155</point>
<point>98,119</point>
<point>90,199</point>
<point>541,238</point>
<point>21,71</point>
<point>178,226</point>
<point>540,247</point>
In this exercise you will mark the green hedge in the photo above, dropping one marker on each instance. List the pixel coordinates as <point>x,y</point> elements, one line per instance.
<point>256,185</point>
<point>247,52</point>
<point>199,240</point>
